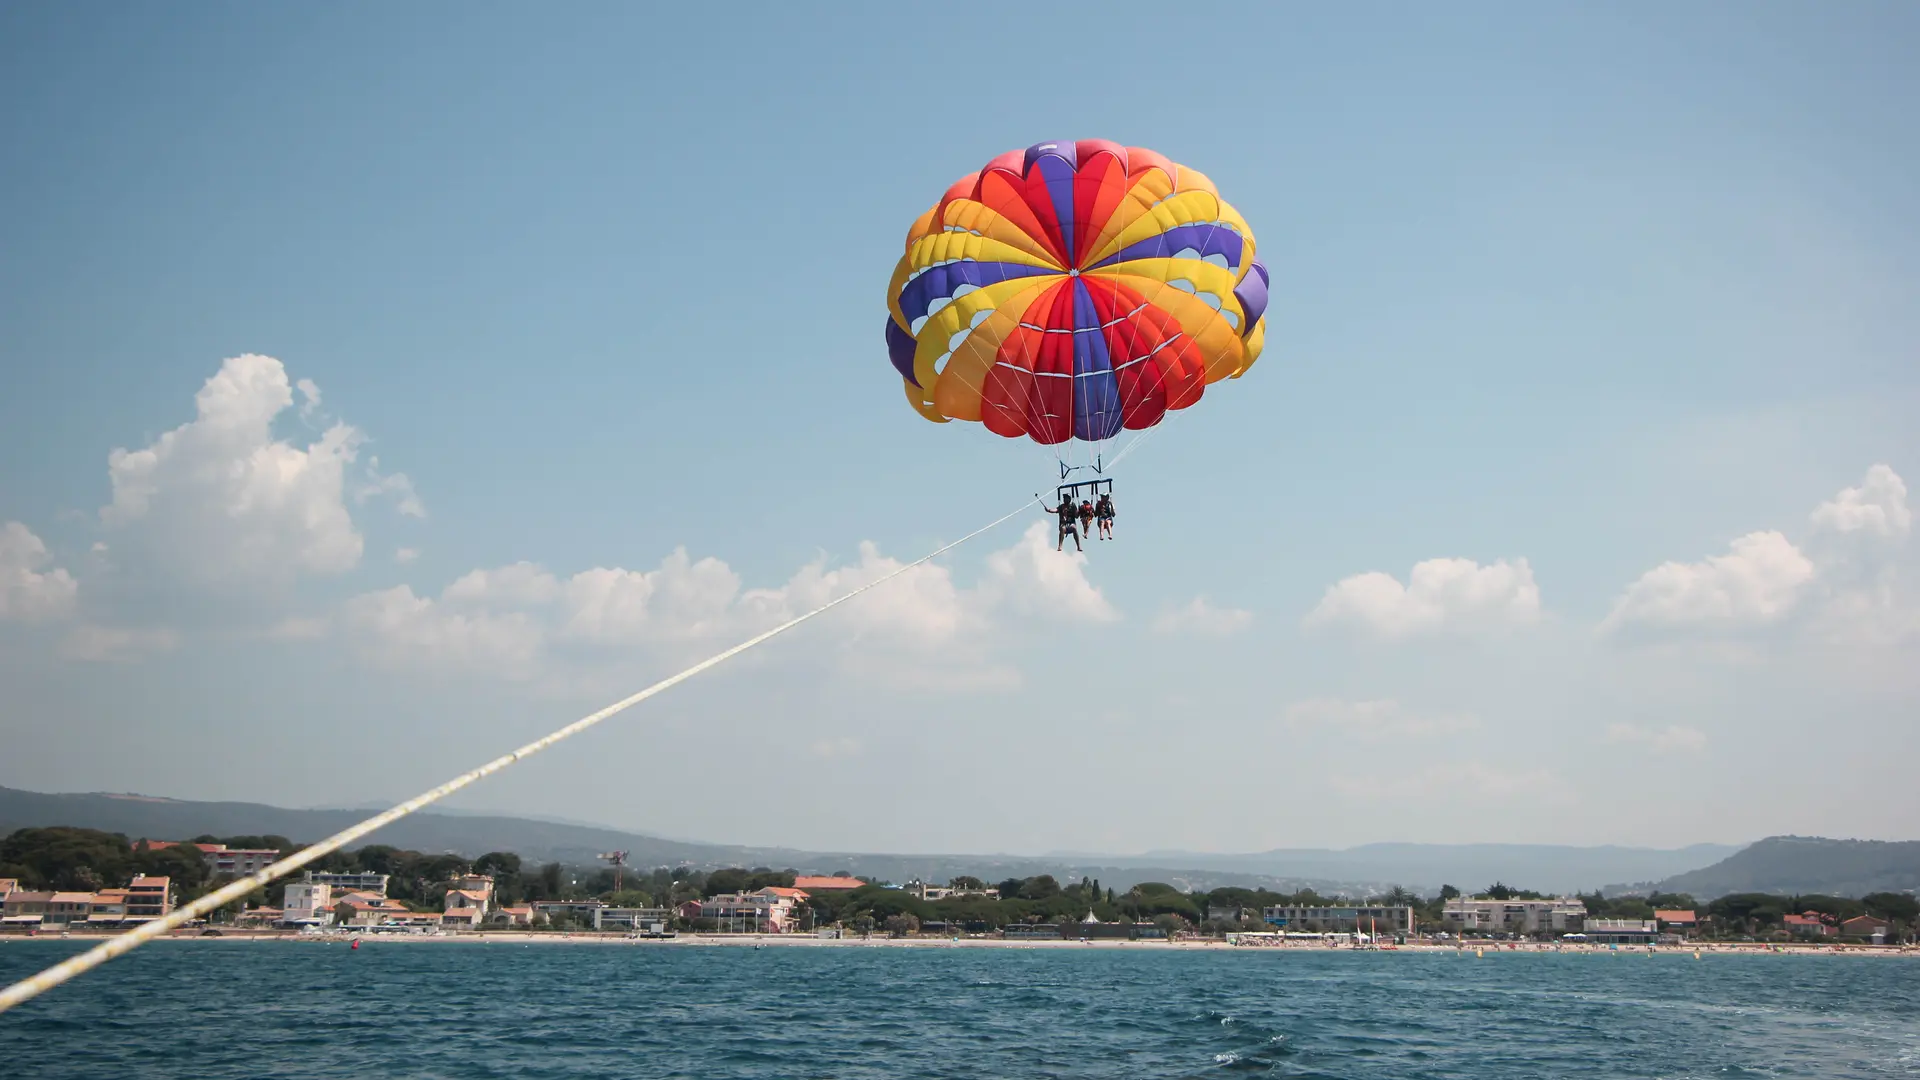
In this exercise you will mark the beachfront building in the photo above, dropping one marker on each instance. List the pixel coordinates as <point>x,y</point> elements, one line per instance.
<point>367,883</point>
<point>1809,924</point>
<point>643,920</point>
<point>109,908</point>
<point>1564,915</point>
<point>307,903</point>
<point>1675,921</point>
<point>1385,919</point>
<point>769,910</point>
<point>149,898</point>
<point>238,862</point>
<point>1622,931</point>
<point>24,909</point>
<point>1867,926</point>
<point>366,909</point>
<point>582,912</point>
<point>511,916</point>
<point>66,908</point>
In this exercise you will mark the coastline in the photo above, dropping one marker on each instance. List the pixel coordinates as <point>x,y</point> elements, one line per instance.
<point>528,938</point>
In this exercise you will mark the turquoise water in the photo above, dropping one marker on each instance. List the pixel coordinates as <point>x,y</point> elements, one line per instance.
<point>215,1010</point>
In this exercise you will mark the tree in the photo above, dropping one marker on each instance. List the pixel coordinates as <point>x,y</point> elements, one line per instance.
<point>1897,907</point>
<point>497,862</point>
<point>550,882</point>
<point>1448,892</point>
<point>965,881</point>
<point>901,925</point>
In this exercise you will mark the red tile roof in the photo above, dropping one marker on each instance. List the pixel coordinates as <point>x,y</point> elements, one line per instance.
<point>1675,916</point>
<point>805,882</point>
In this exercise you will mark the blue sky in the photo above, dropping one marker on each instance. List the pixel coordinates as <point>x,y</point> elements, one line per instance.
<point>1596,289</point>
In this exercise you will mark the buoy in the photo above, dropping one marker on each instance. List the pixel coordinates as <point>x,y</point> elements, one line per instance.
<point>356,943</point>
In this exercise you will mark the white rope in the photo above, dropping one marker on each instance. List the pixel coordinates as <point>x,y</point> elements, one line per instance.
<point>35,985</point>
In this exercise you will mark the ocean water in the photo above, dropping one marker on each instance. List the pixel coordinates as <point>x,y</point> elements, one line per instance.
<point>212,1010</point>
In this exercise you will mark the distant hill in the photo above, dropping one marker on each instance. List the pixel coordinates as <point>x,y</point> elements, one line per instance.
<point>1374,867</point>
<point>1798,865</point>
<point>1543,867</point>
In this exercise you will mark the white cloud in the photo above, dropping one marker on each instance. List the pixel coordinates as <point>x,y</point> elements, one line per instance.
<point>1842,582</point>
<point>1031,578</point>
<point>1877,507</point>
<point>1199,617</point>
<point>406,555</point>
<point>920,626</point>
<point>521,584</point>
<point>395,485</point>
<point>1440,595</point>
<point>1373,720</point>
<point>1670,738</point>
<point>28,591</point>
<point>1758,581</point>
<point>116,644</point>
<point>309,398</point>
<point>396,629</point>
<point>220,497</point>
<point>681,599</point>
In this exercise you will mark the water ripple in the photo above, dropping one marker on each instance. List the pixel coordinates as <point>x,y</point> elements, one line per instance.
<point>209,1010</point>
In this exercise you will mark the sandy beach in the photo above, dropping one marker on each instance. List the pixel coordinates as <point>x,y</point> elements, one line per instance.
<point>528,938</point>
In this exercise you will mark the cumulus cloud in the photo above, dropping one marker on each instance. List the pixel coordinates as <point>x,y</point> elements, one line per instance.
<point>1440,595</point>
<point>116,644</point>
<point>394,628</point>
<point>1758,581</point>
<point>1373,720</point>
<point>513,620</point>
<point>1200,617</point>
<point>220,497</point>
<point>1841,581</point>
<point>1034,578</point>
<point>29,592</point>
<point>1878,507</point>
<point>1670,738</point>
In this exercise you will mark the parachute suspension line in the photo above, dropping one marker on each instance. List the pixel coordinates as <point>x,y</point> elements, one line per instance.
<point>35,985</point>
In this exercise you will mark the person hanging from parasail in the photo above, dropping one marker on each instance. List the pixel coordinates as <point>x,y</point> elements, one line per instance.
<point>1086,518</point>
<point>1069,515</point>
<point>1103,513</point>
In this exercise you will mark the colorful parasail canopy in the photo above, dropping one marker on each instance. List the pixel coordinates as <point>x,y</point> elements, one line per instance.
<point>1073,290</point>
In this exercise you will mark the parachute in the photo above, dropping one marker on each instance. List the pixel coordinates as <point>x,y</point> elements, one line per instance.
<point>1072,291</point>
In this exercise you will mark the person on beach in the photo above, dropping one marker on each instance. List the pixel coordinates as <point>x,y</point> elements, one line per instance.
<point>1067,514</point>
<point>1103,513</point>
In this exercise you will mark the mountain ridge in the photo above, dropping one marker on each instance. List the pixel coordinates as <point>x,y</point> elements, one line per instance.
<point>1370,867</point>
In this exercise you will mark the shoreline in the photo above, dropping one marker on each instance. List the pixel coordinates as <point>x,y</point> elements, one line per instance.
<point>788,941</point>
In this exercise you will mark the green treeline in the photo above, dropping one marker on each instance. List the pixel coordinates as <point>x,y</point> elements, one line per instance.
<point>86,860</point>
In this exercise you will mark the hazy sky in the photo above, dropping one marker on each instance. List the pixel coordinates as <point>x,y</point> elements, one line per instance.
<point>384,385</point>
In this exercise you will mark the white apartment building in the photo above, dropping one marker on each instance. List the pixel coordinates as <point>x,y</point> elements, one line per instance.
<point>308,902</point>
<point>1564,915</point>
<point>370,883</point>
